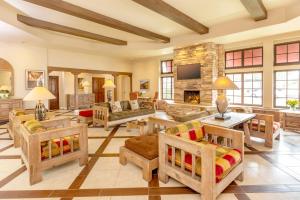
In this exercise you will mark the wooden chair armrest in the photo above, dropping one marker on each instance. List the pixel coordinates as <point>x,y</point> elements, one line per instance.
<point>56,122</point>
<point>102,109</point>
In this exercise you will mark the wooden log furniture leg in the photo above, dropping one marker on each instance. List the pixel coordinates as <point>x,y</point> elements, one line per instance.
<point>148,166</point>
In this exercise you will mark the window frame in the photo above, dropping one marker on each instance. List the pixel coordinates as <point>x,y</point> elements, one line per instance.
<point>242,88</point>
<point>161,67</point>
<point>287,63</point>
<point>274,88</point>
<point>242,58</point>
<point>172,87</point>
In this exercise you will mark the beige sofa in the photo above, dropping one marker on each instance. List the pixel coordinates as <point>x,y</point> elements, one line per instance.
<point>102,114</point>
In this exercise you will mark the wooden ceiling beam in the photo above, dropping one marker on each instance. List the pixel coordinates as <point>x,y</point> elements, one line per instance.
<point>172,13</point>
<point>68,30</point>
<point>77,11</point>
<point>256,9</point>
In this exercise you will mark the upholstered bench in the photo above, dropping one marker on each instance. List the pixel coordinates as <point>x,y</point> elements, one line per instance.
<point>86,116</point>
<point>142,151</point>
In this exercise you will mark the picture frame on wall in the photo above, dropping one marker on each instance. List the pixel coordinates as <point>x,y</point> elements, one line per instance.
<point>144,84</point>
<point>80,84</point>
<point>34,78</point>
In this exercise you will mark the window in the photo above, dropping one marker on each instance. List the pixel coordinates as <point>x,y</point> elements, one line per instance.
<point>252,57</point>
<point>250,85</point>
<point>167,87</point>
<point>287,53</point>
<point>167,80</point>
<point>286,86</point>
<point>167,66</point>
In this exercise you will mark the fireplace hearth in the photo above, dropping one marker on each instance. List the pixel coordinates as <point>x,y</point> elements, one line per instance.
<point>192,96</point>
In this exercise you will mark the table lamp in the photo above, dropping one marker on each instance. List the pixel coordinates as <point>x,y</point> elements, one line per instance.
<point>223,83</point>
<point>39,94</point>
<point>109,85</point>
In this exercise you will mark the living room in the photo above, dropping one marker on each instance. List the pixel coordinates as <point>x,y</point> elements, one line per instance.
<point>162,99</point>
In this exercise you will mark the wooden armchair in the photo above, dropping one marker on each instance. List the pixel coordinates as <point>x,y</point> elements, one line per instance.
<point>264,127</point>
<point>15,122</point>
<point>58,143</point>
<point>175,152</point>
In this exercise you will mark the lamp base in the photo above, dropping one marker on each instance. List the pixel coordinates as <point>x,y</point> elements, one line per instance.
<point>222,117</point>
<point>40,111</point>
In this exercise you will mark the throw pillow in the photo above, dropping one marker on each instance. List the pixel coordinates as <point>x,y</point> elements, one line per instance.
<point>134,104</point>
<point>115,107</point>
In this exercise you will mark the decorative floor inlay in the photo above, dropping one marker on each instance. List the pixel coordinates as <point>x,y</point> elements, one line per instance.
<point>269,173</point>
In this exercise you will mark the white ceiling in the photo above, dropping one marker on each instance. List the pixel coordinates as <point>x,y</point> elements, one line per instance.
<point>225,18</point>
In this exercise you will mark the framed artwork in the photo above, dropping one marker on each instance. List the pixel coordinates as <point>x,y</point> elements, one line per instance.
<point>144,84</point>
<point>80,84</point>
<point>34,78</point>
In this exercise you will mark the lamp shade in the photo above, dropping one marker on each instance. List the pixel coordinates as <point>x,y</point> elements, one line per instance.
<point>39,94</point>
<point>109,84</point>
<point>224,83</point>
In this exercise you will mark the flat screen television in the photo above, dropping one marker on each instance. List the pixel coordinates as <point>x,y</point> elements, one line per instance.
<point>190,71</point>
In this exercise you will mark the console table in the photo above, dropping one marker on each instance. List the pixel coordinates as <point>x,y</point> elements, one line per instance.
<point>6,105</point>
<point>290,119</point>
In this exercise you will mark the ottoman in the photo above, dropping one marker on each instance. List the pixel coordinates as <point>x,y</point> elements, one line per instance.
<point>86,116</point>
<point>143,152</point>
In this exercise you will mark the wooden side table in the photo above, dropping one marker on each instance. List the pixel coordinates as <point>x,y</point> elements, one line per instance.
<point>290,120</point>
<point>137,124</point>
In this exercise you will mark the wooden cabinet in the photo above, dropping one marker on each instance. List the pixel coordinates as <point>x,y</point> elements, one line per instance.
<point>84,100</point>
<point>6,105</point>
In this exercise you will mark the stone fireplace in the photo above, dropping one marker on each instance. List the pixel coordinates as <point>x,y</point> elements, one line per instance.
<point>192,96</point>
<point>211,58</point>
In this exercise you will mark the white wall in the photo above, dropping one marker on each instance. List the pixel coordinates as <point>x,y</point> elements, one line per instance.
<point>23,56</point>
<point>147,68</point>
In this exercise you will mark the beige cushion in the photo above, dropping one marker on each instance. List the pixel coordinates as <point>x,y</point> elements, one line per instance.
<point>116,107</point>
<point>134,104</point>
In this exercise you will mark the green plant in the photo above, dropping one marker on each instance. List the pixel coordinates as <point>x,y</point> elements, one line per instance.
<point>292,103</point>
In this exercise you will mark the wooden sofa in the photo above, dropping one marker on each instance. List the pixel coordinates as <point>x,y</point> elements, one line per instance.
<point>102,114</point>
<point>37,154</point>
<point>171,146</point>
<point>15,120</point>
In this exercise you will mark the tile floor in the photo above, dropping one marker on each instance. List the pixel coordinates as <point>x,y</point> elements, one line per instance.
<point>269,173</point>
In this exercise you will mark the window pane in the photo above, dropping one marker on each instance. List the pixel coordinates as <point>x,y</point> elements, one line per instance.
<point>257,92</point>
<point>293,84</point>
<point>237,100</point>
<point>280,84</point>
<point>248,62</point>
<point>280,102</point>
<point>229,56</point>
<point>280,92</point>
<point>237,63</point>
<point>237,54</point>
<point>257,61</point>
<point>257,101</point>
<point>293,94</point>
<point>280,49</point>
<point>247,77</point>
<point>248,84</point>
<point>292,48</point>
<point>280,76</point>
<point>248,53</point>
<point>237,77</point>
<point>293,75</point>
<point>293,57</point>
<point>248,100</point>
<point>282,58</point>
<point>248,92</point>
<point>257,52</point>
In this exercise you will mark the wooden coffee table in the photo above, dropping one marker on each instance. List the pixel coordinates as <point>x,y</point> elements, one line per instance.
<point>236,119</point>
<point>137,124</point>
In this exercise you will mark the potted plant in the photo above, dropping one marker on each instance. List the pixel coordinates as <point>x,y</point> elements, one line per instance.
<point>292,103</point>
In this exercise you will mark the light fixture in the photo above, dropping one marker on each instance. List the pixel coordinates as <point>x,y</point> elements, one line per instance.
<point>109,85</point>
<point>223,83</point>
<point>39,94</point>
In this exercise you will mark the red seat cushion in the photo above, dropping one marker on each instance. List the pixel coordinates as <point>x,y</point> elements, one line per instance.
<point>86,113</point>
